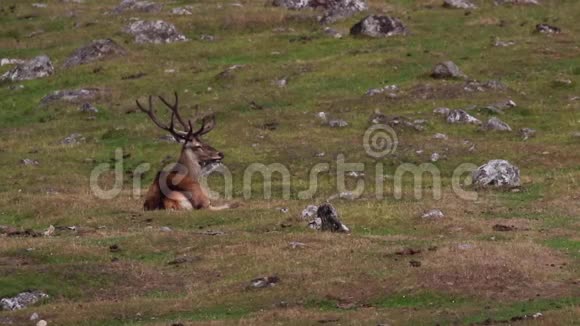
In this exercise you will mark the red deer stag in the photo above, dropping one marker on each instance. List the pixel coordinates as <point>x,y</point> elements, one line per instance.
<point>179,187</point>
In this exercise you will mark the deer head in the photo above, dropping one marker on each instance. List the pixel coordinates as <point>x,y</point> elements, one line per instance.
<point>193,147</point>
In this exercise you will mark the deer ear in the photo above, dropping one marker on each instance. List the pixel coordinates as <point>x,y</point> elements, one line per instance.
<point>207,124</point>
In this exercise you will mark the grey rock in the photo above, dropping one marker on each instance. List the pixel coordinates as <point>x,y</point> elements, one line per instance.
<point>547,29</point>
<point>433,214</point>
<point>181,11</point>
<point>22,300</point>
<point>459,4</point>
<point>156,32</point>
<point>296,244</point>
<point>460,116</point>
<point>435,157</point>
<point>337,123</point>
<point>527,133</point>
<point>497,174</point>
<point>379,26</point>
<point>332,32</point>
<point>442,111</point>
<point>135,5</point>
<point>309,212</point>
<point>29,162</point>
<point>391,89</point>
<point>576,134</point>
<point>34,316</point>
<point>517,2</point>
<point>440,136</point>
<point>264,282</point>
<point>8,61</point>
<point>77,96</point>
<point>73,139</point>
<point>207,37</point>
<point>503,44</point>
<point>497,125</point>
<point>96,50</point>
<point>447,70</point>
<point>346,5</point>
<point>88,108</point>
<point>327,219</point>
<point>38,67</point>
<point>490,85</point>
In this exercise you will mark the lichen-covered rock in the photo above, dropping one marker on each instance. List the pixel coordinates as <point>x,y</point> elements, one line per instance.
<point>38,67</point>
<point>96,50</point>
<point>446,70</point>
<point>497,125</point>
<point>156,31</point>
<point>75,96</point>
<point>379,26</point>
<point>460,116</point>
<point>497,174</point>
<point>22,300</point>
<point>459,4</point>
<point>134,5</point>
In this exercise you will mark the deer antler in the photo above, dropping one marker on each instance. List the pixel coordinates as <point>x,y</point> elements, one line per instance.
<point>207,123</point>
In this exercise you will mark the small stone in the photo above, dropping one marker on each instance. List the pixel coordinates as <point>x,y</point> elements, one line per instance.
<point>460,116</point>
<point>435,157</point>
<point>88,108</point>
<point>503,44</point>
<point>296,244</point>
<point>459,4</point>
<point>309,212</point>
<point>42,323</point>
<point>415,263</point>
<point>447,70</point>
<point>165,229</point>
<point>442,111</point>
<point>29,162</point>
<point>332,32</point>
<point>180,11</point>
<point>40,5</point>
<point>547,29</point>
<point>465,246</point>
<point>433,214</point>
<point>264,282</point>
<point>537,315</point>
<point>337,123</point>
<point>497,125</point>
<point>440,136</point>
<point>207,37</point>
<point>34,316</point>
<point>73,139</point>
<point>49,231</point>
<point>135,5</point>
<point>282,82</point>
<point>78,96</point>
<point>527,133</point>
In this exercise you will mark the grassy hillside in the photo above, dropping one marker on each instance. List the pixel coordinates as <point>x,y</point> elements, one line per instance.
<point>469,273</point>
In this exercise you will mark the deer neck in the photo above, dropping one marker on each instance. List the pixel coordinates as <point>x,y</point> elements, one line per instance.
<point>189,160</point>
